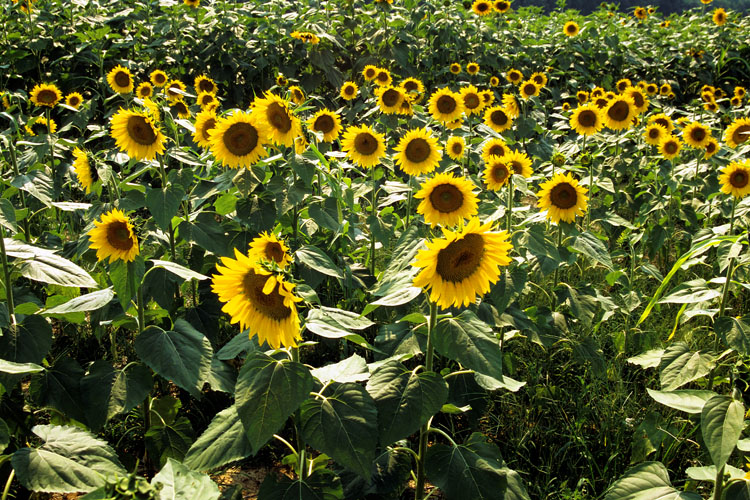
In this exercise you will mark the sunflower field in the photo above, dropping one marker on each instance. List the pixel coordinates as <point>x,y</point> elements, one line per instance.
<point>397,249</point>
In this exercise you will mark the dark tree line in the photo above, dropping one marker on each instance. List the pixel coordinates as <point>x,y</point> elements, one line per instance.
<point>663,6</point>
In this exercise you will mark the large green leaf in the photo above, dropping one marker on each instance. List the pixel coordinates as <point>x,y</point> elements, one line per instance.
<point>126,278</point>
<point>679,365</point>
<point>108,391</point>
<point>342,423</point>
<point>405,399</point>
<point>738,490</point>
<point>19,368</point>
<point>647,481</point>
<point>315,258</point>
<point>169,439</point>
<point>87,302</point>
<point>178,270</point>
<point>352,369</point>
<point>29,342</point>
<point>58,387</point>
<point>163,204</point>
<point>70,460</point>
<point>8,215</point>
<point>593,248</point>
<point>268,391</point>
<point>735,332</point>
<point>469,340</point>
<point>284,488</point>
<point>688,400</point>
<point>691,292</point>
<point>180,483</point>
<point>470,470</point>
<point>41,264</point>
<point>722,420</point>
<point>182,356</point>
<point>222,442</point>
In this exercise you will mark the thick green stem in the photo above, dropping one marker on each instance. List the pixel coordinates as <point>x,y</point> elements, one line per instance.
<point>557,269</point>
<point>6,490</point>
<point>509,206</point>
<point>6,280</point>
<point>429,354</point>
<point>297,424</point>
<point>719,486</point>
<point>16,172</point>
<point>373,198</point>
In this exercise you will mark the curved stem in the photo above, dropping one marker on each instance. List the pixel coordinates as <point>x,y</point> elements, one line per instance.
<point>429,354</point>
<point>8,483</point>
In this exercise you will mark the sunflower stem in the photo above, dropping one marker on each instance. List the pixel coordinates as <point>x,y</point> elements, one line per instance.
<point>373,198</point>
<point>719,484</point>
<point>16,172</point>
<point>408,205</point>
<point>297,423</point>
<point>6,280</point>
<point>6,490</point>
<point>557,269</point>
<point>429,354</point>
<point>509,206</point>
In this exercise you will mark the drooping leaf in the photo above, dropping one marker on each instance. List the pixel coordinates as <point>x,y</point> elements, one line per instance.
<point>41,264</point>
<point>108,391</point>
<point>722,420</point>
<point>87,302</point>
<point>688,400</point>
<point>647,481</point>
<point>19,368</point>
<point>222,442</point>
<point>178,270</point>
<point>178,482</point>
<point>680,365</point>
<point>469,340</point>
<point>351,369</point>
<point>735,332</point>
<point>315,258</point>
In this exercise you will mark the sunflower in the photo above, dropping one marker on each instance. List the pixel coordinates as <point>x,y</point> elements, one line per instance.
<point>413,87</point>
<point>651,88</point>
<point>46,94</point>
<point>370,72</point>
<point>455,68</point>
<point>114,237</point>
<point>192,3</point>
<point>463,264</point>
<point>327,123</point>
<point>665,89</point>
<point>665,24</point>
<point>296,94</point>
<point>565,106</point>
<point>454,124</point>
<point>418,152</point>
<point>120,80</point>
<point>663,120</point>
<point>207,100</point>
<point>563,198</point>
<point>481,7</point>
<point>237,140</point>
<point>696,135</point>
<point>597,92</point>
<point>655,133</point>
<point>600,102</point>
<point>494,147</point>
<point>494,81</point>
<point>582,96</point>
<point>735,179</point>
<point>455,147</point>
<point>472,68</point>
<point>281,80</point>
<point>446,200</point>
<point>571,28</point>
<point>389,99</point>
<point>383,77</point>
<point>619,113</point>
<point>539,78</point>
<point>640,101</point>
<point>175,89</point>
<point>137,135</point>
<point>180,107</point>
<point>445,106</point>
<point>277,119</point>
<point>158,78</point>
<point>670,147</point>
<point>514,76</point>
<point>501,6</point>
<point>719,17</point>
<point>488,97</point>
<point>740,92</point>
<point>738,132</point>
<point>529,88</point>
<point>74,100</point>
<point>712,106</point>
<point>736,101</point>
<point>406,108</point>
<point>711,148</point>
<point>510,104</point>
<point>144,90</point>
<point>472,101</point>
<point>363,145</point>
<point>497,119</point>
<point>25,5</point>
<point>640,13</point>
<point>83,170</point>
<point>587,120</point>
<point>707,96</point>
<point>270,248</point>
<point>259,301</point>
<point>38,125</point>
<point>518,162</point>
<point>203,83</point>
<point>205,122</point>
<point>349,91</point>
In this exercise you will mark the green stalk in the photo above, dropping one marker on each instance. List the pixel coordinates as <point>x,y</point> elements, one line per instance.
<point>408,208</point>
<point>559,243</point>
<point>719,487</point>
<point>297,424</point>
<point>509,206</point>
<point>429,354</point>
<point>6,490</point>
<point>373,198</point>
<point>6,280</point>
<point>16,172</point>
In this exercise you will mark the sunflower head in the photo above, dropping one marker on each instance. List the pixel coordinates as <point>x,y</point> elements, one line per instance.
<point>38,125</point>
<point>277,118</point>
<point>587,119</point>
<point>665,89</point>
<point>663,120</point>
<point>565,106</point>
<point>563,198</point>
<point>74,100</point>
<point>494,81</point>
<point>497,173</point>
<point>472,101</point>
<point>514,76</point>
<point>501,6</point>
<point>349,91</point>
<point>144,90</point>
<point>83,169</point>
<point>455,147</point>
<point>719,17</point>
<point>462,265</point>
<point>296,94</point>
<point>481,7</point>
<point>623,84</point>
<point>268,247</point>
<point>446,200</point>
<point>571,28</point>
<point>158,78</point>
<point>582,96</point>
<point>669,147</point>
<point>472,68</point>
<point>494,147</point>
<point>326,123</point>
<point>174,90</point>
<point>46,95</point>
<point>137,134</point>
<point>539,78</point>
<point>363,145</point>
<point>696,135</point>
<point>529,88</point>
<point>455,68</point>
<point>383,77</point>
<point>418,152</point>
<point>390,99</point>
<point>237,140</point>
<point>738,132</point>
<point>640,13</point>
<point>735,179</point>
<point>207,100</point>
<point>740,92</point>
<point>654,133</point>
<point>736,101</point>
<point>445,105</point>
<point>120,80</point>
<point>497,118</point>
<point>113,237</point>
<point>518,162</point>
<point>203,83</point>
<point>640,101</point>
<point>205,122</point>
<point>370,72</point>
<point>619,113</point>
<point>711,148</point>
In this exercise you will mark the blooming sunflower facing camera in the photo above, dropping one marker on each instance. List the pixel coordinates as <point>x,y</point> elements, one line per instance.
<point>463,264</point>
<point>696,135</point>
<point>120,80</point>
<point>446,200</point>
<point>74,100</point>
<point>445,105</point>
<point>455,147</point>
<point>418,152</point>
<point>655,133</point>
<point>719,17</point>
<point>481,7</point>
<point>46,95</point>
<point>174,90</point>
<point>389,99</point>
<point>270,248</point>
<point>137,135</point>
<point>349,91</point>
<point>277,118</point>
<point>669,147</point>
<point>738,132</point>
<point>237,140</point>
<point>363,145</point>
<point>510,104</point>
<point>563,198</point>
<point>203,83</point>
<point>383,77</point>
<point>158,78</point>
<point>258,300</point>
<point>735,179</point>
<point>529,88</point>
<point>494,147</point>
<point>472,68</point>
<point>113,237</point>
<point>711,148</point>
<point>619,113</point>
<point>414,88</point>
<point>514,76</point>
<point>497,173</point>
<point>587,119</point>
<point>571,28</point>
<point>497,119</point>
<point>144,90</point>
<point>326,122</point>
<point>501,6</point>
<point>296,94</point>
<point>472,101</point>
<point>518,162</point>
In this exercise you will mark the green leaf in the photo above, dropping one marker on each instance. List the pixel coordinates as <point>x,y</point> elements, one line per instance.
<point>88,302</point>
<point>469,340</point>
<point>268,391</point>
<point>352,369</point>
<point>178,270</point>
<point>470,470</point>
<point>222,376</point>
<point>737,490</point>
<point>648,359</point>
<point>593,248</point>
<point>284,488</point>
<point>690,401</point>
<point>398,297</point>
<point>109,391</point>
<point>126,278</point>
<point>722,421</point>
<point>169,440</point>
<point>19,368</point>
<point>405,399</point>
<point>70,460</point>
<point>58,387</point>
<point>205,232</point>
<point>163,204</point>
<point>180,483</point>
<point>342,423</point>
<point>41,264</point>
<point>8,215</point>
<point>315,258</point>
<point>647,481</point>
<point>28,342</point>
<point>735,332</point>
<point>222,442</point>
<point>691,292</point>
<point>679,365</point>
<point>37,183</point>
<point>182,356</point>
<point>4,435</point>
<point>708,473</point>
<point>541,246</point>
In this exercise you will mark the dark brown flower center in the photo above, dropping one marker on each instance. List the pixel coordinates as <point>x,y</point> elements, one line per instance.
<point>39,127</point>
<point>670,147</point>
<point>446,104</point>
<point>47,96</point>
<point>418,150</point>
<point>206,86</point>
<point>472,101</point>
<point>564,196</point>
<point>446,198</point>
<point>571,28</point>
<point>457,148</point>
<point>587,118</point>
<point>497,150</point>
<point>538,80</point>
<point>517,167</point>
<point>382,76</point>
<point>663,122</point>
<point>411,86</point>
<point>365,143</point>
<point>698,134</point>
<point>323,123</point>
<point>349,90</point>
<point>241,138</point>
<point>160,78</point>
<point>274,252</point>
<point>122,79</point>
<point>391,97</point>
<point>741,134</point>
<point>622,86</point>
<point>515,75</point>
<point>74,100</point>
<point>638,99</point>
<point>653,133</point>
<point>278,117</point>
<point>500,172</point>
<point>208,125</point>
<point>498,117</point>
<point>738,179</point>
<point>711,147</point>
<point>118,236</point>
<point>619,111</point>
<point>145,91</point>
<point>141,131</point>
<point>529,89</point>
<point>482,7</point>
<point>370,73</point>
<point>207,99</point>
<point>270,305</point>
<point>181,108</point>
<point>461,258</point>
<point>171,91</point>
